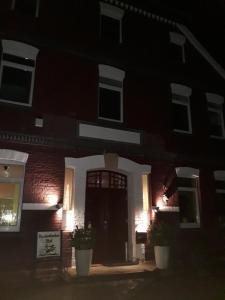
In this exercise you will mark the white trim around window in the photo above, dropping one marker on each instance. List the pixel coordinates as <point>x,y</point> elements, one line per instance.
<point>217,102</point>
<point>179,40</point>
<point>23,51</point>
<point>185,92</point>
<point>13,5</point>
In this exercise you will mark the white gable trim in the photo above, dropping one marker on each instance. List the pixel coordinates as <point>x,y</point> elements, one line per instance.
<point>198,46</point>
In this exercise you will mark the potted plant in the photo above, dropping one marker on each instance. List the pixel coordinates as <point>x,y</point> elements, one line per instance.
<point>161,235</point>
<point>83,240</point>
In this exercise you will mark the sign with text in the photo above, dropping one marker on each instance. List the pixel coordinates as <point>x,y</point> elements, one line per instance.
<point>48,244</point>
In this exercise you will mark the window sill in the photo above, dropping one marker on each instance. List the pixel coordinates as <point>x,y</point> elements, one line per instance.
<point>182,131</point>
<point>15,103</point>
<point>189,225</point>
<point>217,137</point>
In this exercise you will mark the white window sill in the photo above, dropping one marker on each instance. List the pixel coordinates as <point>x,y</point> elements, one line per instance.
<point>16,103</point>
<point>189,225</point>
<point>111,120</point>
<point>182,131</point>
<point>217,137</point>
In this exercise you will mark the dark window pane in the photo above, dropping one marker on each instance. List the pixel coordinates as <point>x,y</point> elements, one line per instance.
<point>220,184</point>
<point>26,6</point>
<point>110,29</point>
<point>15,85</point>
<point>18,60</point>
<point>215,124</point>
<point>109,104</point>
<point>187,182</point>
<point>176,53</point>
<point>187,204</point>
<point>180,117</point>
<point>220,204</point>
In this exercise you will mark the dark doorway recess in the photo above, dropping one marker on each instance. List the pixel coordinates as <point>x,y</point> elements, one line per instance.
<point>106,211</point>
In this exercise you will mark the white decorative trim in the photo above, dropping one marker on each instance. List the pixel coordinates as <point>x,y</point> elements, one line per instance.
<point>181,89</point>
<point>38,206</point>
<point>19,49</point>
<point>111,11</point>
<point>111,72</point>
<point>214,98</point>
<point>177,38</point>
<point>12,155</point>
<point>192,39</point>
<point>187,172</point>
<point>219,175</point>
<point>104,133</point>
<point>169,208</point>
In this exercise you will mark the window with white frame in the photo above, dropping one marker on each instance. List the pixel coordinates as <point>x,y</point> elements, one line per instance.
<point>111,22</point>
<point>110,104</point>
<point>215,115</point>
<point>220,196</point>
<point>177,41</point>
<point>181,111</point>
<point>12,165</point>
<point>17,72</point>
<point>29,7</point>
<point>188,197</point>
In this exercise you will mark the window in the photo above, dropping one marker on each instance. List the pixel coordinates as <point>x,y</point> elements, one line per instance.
<point>110,93</point>
<point>111,23</point>
<point>11,188</point>
<point>181,112</point>
<point>188,197</point>
<point>177,41</point>
<point>220,196</point>
<point>29,7</point>
<point>215,114</point>
<point>17,72</point>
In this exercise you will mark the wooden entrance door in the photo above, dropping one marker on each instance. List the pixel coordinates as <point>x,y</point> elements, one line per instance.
<point>106,210</point>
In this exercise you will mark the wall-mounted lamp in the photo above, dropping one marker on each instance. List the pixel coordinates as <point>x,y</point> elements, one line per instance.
<point>155,209</point>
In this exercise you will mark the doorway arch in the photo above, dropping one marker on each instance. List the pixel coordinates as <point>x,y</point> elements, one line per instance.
<point>131,169</point>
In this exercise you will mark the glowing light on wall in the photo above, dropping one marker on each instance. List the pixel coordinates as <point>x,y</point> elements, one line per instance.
<point>145,192</point>
<point>142,221</point>
<point>52,199</point>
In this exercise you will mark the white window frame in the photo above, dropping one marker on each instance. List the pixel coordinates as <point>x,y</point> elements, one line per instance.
<point>113,12</point>
<point>13,5</point>
<point>186,172</point>
<point>218,101</point>
<point>113,73</point>
<point>179,40</point>
<point>186,92</point>
<point>11,157</point>
<point>24,51</point>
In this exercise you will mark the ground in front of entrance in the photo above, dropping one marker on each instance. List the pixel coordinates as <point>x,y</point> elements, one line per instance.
<point>160,285</point>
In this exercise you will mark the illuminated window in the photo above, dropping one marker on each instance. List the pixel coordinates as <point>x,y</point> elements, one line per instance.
<point>181,111</point>
<point>28,7</point>
<point>11,189</point>
<point>188,197</point>
<point>110,93</point>
<point>17,72</point>
<point>215,115</point>
<point>111,23</point>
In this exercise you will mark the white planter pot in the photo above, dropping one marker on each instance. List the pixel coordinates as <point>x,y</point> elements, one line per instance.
<point>83,261</point>
<point>162,256</point>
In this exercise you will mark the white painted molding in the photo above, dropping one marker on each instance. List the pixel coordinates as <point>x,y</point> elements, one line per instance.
<point>12,155</point>
<point>131,166</point>
<point>187,172</point>
<point>177,38</point>
<point>111,72</point>
<point>104,133</point>
<point>111,11</point>
<point>181,89</point>
<point>214,98</point>
<point>219,175</point>
<point>38,206</point>
<point>198,46</point>
<point>19,49</point>
<point>169,208</point>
